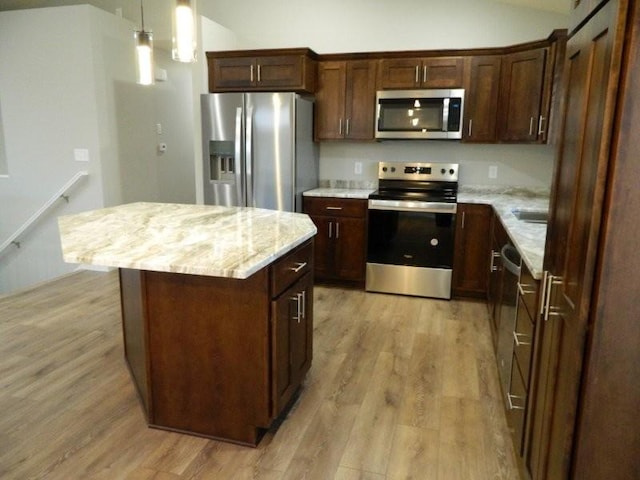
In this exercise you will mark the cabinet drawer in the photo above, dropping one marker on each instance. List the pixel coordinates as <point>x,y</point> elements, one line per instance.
<point>523,340</point>
<point>335,207</point>
<point>529,288</point>
<point>516,407</point>
<point>289,268</point>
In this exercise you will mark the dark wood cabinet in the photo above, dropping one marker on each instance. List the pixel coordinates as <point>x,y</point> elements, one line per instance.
<point>340,250</point>
<point>585,423</point>
<point>345,100</point>
<point>481,99</point>
<point>520,117</point>
<point>470,262</point>
<point>499,238</point>
<point>219,357</point>
<point>436,72</point>
<point>262,70</point>
<point>292,339</point>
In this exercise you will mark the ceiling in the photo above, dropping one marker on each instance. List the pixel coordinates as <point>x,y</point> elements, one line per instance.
<point>157,13</point>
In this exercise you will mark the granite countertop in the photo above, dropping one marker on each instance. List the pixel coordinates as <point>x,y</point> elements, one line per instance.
<point>359,193</point>
<point>528,238</point>
<point>232,242</point>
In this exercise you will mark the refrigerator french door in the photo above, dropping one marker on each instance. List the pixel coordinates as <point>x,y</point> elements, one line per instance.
<point>258,149</point>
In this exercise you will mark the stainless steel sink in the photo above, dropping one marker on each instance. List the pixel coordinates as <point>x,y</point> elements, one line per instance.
<point>531,216</point>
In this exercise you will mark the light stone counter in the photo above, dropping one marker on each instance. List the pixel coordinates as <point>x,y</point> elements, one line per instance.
<point>230,242</point>
<point>358,193</point>
<point>528,238</point>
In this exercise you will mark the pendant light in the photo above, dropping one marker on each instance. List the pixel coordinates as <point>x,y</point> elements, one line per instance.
<point>184,30</point>
<point>144,53</point>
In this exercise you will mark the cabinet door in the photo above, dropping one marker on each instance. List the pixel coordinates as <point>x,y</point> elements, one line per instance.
<point>279,71</point>
<point>323,247</point>
<point>521,84</point>
<point>350,247</point>
<point>233,73</point>
<point>593,57</point>
<point>291,336</point>
<point>400,73</point>
<point>330,101</point>
<point>360,99</point>
<point>481,99</point>
<point>442,72</point>
<point>472,239</point>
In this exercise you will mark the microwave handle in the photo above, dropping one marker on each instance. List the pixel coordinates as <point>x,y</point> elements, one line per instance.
<point>445,114</point>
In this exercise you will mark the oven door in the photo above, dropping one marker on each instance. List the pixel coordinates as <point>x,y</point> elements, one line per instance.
<point>410,248</point>
<point>418,234</point>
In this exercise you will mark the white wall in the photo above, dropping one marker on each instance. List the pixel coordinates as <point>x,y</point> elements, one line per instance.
<point>72,85</point>
<point>332,26</point>
<point>335,26</point>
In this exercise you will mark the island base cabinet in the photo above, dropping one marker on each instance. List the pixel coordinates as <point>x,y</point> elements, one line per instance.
<point>206,353</point>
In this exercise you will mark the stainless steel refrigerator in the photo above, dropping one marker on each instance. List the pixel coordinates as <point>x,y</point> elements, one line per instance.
<point>258,149</point>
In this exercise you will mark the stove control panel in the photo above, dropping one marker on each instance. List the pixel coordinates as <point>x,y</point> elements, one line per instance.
<point>431,172</point>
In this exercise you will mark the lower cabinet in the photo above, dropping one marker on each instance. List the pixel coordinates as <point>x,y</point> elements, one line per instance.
<point>219,357</point>
<point>291,339</point>
<point>340,244</point>
<point>470,261</point>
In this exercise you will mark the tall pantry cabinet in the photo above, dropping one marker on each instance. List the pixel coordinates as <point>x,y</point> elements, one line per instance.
<point>586,419</point>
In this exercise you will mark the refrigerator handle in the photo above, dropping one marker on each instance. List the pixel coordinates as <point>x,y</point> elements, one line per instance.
<point>249,157</point>
<point>239,172</point>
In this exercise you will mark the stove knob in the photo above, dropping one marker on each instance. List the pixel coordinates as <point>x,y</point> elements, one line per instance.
<point>393,169</point>
<point>452,171</point>
<point>384,169</point>
<point>443,171</point>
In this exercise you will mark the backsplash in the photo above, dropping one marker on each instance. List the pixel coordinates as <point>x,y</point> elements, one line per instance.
<point>517,165</point>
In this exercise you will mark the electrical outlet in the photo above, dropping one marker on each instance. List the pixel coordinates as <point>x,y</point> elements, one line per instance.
<point>81,154</point>
<point>493,171</point>
<point>357,169</point>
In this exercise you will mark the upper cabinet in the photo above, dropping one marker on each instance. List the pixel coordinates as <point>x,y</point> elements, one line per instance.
<point>262,70</point>
<point>345,100</point>
<point>481,99</point>
<point>436,72</point>
<point>520,118</point>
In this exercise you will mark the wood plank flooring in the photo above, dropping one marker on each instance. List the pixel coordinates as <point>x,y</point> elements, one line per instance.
<point>400,388</point>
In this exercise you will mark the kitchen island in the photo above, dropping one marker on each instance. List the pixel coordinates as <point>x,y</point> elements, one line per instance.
<point>217,309</point>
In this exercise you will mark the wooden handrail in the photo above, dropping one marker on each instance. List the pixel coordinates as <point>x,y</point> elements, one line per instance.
<point>62,193</point>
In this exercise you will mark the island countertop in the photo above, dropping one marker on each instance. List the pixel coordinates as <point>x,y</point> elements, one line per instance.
<point>232,242</point>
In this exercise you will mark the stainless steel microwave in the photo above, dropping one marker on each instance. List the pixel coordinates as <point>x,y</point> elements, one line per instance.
<point>419,114</point>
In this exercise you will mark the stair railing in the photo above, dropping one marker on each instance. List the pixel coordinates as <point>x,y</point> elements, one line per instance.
<point>60,194</point>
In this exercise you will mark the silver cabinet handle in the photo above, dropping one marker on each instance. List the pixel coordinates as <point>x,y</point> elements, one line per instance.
<point>531,126</point>
<point>337,229</point>
<point>540,122</point>
<point>330,229</point>
<point>303,310</point>
<point>340,126</point>
<point>463,218</point>
<point>424,74</point>
<point>299,266</point>
<point>523,292</point>
<point>298,303</point>
<point>417,74</point>
<point>550,310</point>
<point>513,406</point>
<point>333,208</point>
<point>494,255</point>
<point>259,73</point>
<point>251,73</point>
<point>470,126</point>
<point>517,340</point>
<point>348,130</point>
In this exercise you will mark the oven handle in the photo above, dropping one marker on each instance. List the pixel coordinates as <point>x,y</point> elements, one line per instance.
<point>404,206</point>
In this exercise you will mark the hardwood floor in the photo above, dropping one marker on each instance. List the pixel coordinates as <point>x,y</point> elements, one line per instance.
<point>400,388</point>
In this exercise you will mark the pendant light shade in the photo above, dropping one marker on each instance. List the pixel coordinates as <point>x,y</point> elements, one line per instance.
<point>184,30</point>
<point>144,53</point>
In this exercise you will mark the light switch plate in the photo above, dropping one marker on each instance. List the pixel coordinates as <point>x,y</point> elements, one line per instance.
<point>357,169</point>
<point>493,171</point>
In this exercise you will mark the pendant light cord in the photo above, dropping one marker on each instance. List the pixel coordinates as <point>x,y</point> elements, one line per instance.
<point>142,15</point>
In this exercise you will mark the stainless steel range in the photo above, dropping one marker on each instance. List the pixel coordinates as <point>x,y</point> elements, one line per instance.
<point>412,218</point>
